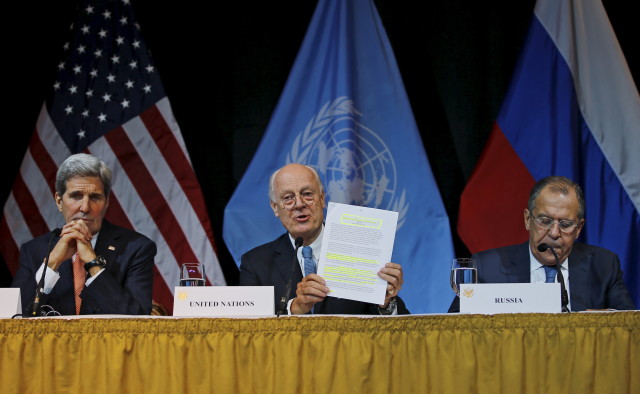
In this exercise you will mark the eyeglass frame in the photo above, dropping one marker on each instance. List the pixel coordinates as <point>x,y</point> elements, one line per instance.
<point>537,219</point>
<point>294,198</point>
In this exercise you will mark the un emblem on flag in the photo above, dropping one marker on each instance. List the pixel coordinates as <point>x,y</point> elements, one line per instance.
<point>354,163</point>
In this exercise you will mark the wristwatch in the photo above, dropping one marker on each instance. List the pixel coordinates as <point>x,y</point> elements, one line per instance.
<point>99,261</point>
<point>393,304</point>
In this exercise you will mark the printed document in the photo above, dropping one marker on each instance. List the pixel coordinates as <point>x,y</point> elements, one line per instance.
<point>357,242</point>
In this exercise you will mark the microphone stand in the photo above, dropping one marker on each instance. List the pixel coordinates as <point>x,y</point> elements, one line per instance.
<point>40,286</point>
<point>285,297</point>
<point>564,297</point>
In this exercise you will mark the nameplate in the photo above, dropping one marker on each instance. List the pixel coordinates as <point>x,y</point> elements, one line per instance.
<point>491,298</point>
<point>10,302</point>
<point>207,301</point>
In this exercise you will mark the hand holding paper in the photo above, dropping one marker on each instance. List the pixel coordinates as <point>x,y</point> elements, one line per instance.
<point>310,290</point>
<point>392,273</point>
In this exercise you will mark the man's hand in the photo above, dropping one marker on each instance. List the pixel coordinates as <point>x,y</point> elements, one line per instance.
<point>392,273</point>
<point>74,237</point>
<point>310,290</point>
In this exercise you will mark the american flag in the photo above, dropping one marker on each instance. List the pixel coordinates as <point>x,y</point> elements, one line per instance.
<point>107,99</point>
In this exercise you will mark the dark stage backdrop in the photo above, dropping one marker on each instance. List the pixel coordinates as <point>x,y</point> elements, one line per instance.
<point>224,65</point>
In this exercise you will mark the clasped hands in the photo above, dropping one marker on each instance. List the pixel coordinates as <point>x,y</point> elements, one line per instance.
<point>313,289</point>
<point>75,237</point>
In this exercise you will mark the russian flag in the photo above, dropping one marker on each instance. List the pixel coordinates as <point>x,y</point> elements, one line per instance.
<point>572,109</point>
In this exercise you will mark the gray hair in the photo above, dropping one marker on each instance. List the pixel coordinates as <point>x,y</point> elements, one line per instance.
<point>272,181</point>
<point>82,165</point>
<point>557,184</point>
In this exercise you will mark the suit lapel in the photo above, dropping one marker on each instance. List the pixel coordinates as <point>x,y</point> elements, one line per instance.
<point>108,243</point>
<point>284,255</point>
<point>579,263</point>
<point>517,270</point>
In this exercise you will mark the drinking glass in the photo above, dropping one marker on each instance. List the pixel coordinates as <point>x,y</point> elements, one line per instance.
<point>192,274</point>
<point>463,270</point>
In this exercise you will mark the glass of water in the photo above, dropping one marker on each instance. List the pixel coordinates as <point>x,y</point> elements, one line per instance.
<point>463,270</point>
<point>192,274</point>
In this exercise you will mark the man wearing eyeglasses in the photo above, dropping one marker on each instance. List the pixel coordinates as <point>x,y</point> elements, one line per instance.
<point>555,216</point>
<point>297,199</point>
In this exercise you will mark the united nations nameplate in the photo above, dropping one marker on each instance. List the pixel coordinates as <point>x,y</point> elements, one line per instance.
<point>208,301</point>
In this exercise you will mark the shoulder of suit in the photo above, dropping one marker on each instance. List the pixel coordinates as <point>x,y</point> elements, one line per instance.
<point>590,249</point>
<point>271,246</point>
<point>112,230</point>
<point>504,250</point>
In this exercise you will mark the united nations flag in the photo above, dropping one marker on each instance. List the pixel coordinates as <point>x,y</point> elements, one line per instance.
<point>344,111</point>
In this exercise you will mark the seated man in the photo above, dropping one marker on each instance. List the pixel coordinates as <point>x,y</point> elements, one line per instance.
<point>297,199</point>
<point>94,267</point>
<point>555,216</point>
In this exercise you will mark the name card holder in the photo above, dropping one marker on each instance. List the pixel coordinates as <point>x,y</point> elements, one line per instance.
<point>216,301</point>
<point>10,302</point>
<point>492,298</point>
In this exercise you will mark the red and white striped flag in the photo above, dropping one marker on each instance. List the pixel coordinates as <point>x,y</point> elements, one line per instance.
<point>108,100</point>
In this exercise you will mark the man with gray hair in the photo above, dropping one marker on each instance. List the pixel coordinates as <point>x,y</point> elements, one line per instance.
<point>555,216</point>
<point>93,266</point>
<point>297,199</point>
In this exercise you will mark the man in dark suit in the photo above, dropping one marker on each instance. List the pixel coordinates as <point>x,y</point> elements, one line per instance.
<point>555,216</point>
<point>297,199</point>
<point>94,267</point>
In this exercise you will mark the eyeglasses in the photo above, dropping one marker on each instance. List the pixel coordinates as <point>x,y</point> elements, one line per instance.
<point>565,226</point>
<point>289,200</point>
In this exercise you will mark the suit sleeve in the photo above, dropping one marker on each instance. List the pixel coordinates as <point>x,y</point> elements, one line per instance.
<point>618,296</point>
<point>125,288</point>
<point>25,277</point>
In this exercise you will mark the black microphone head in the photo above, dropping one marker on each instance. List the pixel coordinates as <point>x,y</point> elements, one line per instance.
<point>56,232</point>
<point>299,241</point>
<point>543,247</point>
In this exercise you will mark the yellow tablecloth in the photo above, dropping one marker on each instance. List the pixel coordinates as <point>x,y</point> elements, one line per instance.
<point>533,353</point>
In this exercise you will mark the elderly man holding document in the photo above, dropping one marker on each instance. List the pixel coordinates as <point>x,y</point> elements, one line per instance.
<point>297,199</point>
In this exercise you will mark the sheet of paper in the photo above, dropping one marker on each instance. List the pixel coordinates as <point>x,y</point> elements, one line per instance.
<point>357,242</point>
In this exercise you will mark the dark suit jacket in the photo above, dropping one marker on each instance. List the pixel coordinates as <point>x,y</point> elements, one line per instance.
<point>595,278</point>
<point>270,265</point>
<point>124,287</point>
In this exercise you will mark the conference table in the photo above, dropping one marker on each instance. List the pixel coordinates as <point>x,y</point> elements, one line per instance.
<point>590,352</point>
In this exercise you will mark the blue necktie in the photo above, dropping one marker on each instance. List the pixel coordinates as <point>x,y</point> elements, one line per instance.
<point>309,264</point>
<point>551,273</point>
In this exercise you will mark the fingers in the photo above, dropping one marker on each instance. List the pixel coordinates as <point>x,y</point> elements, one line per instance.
<point>312,288</point>
<point>392,273</point>
<point>309,291</point>
<point>76,229</point>
<point>75,237</point>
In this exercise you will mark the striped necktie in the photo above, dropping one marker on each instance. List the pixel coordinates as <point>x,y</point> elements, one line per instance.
<point>79,277</point>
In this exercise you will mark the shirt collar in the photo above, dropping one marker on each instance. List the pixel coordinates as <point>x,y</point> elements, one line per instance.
<point>534,264</point>
<point>315,245</point>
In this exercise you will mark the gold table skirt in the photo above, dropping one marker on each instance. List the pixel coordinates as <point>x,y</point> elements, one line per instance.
<point>510,353</point>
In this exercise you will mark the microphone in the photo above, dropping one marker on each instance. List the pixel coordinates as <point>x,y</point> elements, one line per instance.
<point>563,290</point>
<point>40,287</point>
<point>285,297</point>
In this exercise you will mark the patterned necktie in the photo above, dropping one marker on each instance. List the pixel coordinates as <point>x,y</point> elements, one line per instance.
<point>551,273</point>
<point>309,264</point>
<point>79,277</point>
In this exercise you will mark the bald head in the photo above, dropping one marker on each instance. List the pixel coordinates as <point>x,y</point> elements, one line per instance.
<point>302,217</point>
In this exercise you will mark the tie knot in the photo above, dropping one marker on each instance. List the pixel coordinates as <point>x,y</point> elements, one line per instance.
<point>551,273</point>
<point>307,252</point>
